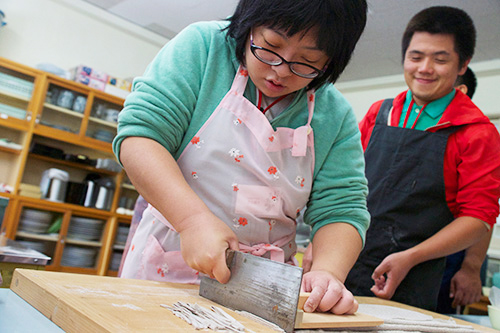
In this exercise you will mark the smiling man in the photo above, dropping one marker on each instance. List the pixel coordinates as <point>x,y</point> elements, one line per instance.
<point>432,164</point>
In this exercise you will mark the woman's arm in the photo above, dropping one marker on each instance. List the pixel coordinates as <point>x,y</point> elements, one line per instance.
<point>335,248</point>
<point>156,175</point>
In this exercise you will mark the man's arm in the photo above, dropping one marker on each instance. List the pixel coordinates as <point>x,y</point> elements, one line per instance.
<point>466,285</point>
<point>459,234</point>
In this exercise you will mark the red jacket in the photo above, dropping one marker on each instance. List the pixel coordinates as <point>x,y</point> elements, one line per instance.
<point>472,158</point>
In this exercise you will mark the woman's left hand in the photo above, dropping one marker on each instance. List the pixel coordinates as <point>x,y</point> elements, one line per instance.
<point>327,294</point>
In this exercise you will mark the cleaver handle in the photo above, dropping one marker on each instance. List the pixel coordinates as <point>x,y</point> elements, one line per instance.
<point>229,257</point>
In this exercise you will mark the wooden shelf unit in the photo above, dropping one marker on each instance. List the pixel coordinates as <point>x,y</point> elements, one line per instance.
<point>36,117</point>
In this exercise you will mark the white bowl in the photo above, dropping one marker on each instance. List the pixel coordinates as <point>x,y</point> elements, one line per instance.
<point>494,314</point>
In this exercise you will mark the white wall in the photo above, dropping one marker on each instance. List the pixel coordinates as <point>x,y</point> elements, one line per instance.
<point>68,33</point>
<point>361,94</point>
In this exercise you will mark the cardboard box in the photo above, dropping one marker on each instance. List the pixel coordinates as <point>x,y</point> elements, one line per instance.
<point>90,81</point>
<point>90,72</point>
<point>119,83</point>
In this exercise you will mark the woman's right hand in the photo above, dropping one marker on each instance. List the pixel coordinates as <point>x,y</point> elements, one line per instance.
<point>204,242</point>
<point>307,259</point>
<point>157,176</point>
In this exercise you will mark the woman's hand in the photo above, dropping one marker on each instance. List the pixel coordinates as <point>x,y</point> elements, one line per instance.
<point>334,250</point>
<point>204,241</point>
<point>327,294</point>
<point>307,259</point>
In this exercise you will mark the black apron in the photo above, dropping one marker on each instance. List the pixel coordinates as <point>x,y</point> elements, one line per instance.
<point>407,204</point>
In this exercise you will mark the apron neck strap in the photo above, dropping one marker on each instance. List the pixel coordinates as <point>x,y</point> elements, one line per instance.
<point>240,83</point>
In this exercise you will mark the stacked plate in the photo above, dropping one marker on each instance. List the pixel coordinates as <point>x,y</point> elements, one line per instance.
<point>12,111</point>
<point>115,261</point>
<point>41,247</point>
<point>121,235</point>
<point>84,228</point>
<point>34,221</point>
<point>76,256</point>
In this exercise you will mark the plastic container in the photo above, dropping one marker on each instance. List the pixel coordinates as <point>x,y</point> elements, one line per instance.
<point>494,314</point>
<point>53,184</point>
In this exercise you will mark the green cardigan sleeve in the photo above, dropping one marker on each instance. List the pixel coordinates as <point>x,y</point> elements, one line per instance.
<point>340,187</point>
<point>179,89</point>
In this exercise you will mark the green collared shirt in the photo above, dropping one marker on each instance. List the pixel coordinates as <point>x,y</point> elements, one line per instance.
<point>431,114</point>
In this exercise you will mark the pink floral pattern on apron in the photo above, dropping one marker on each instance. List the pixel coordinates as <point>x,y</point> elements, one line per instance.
<point>254,178</point>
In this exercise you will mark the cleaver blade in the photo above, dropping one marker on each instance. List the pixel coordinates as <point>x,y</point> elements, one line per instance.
<point>263,287</point>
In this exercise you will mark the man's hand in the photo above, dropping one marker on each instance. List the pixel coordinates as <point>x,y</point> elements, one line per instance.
<point>389,274</point>
<point>204,243</point>
<point>466,287</point>
<point>328,294</point>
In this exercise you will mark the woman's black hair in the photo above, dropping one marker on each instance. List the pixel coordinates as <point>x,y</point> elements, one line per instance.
<point>444,20</point>
<point>339,23</point>
<point>470,81</point>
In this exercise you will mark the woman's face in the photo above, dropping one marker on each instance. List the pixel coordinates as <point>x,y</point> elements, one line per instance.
<point>275,81</point>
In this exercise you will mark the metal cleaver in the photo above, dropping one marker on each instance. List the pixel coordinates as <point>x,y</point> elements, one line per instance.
<point>263,287</point>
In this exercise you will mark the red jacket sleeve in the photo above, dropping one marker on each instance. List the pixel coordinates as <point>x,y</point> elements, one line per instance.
<point>472,172</point>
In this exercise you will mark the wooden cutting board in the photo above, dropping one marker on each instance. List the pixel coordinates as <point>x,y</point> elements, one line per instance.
<point>89,303</point>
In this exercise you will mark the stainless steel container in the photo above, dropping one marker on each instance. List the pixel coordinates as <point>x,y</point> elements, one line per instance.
<point>53,185</point>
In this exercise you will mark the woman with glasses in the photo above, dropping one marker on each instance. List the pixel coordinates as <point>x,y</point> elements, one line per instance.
<point>233,129</point>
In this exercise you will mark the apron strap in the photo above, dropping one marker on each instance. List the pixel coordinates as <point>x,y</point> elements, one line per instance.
<point>301,134</point>
<point>383,113</point>
<point>240,81</point>
<point>276,252</point>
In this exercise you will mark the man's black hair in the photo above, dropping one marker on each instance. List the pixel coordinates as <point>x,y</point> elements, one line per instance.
<point>444,20</point>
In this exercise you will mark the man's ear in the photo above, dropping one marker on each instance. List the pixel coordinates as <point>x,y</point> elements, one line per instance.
<point>463,88</point>
<point>464,67</point>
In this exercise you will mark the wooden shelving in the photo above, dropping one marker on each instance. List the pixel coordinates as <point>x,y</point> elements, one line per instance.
<point>61,127</point>
<point>10,150</point>
<point>74,165</point>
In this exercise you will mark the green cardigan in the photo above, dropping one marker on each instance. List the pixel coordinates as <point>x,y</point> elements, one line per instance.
<point>189,77</point>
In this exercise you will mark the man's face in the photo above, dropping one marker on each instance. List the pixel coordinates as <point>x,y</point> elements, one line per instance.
<point>431,66</point>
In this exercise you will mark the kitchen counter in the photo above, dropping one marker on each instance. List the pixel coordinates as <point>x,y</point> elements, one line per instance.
<point>78,302</point>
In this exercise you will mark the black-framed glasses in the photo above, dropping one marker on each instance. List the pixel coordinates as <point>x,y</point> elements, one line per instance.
<point>274,59</point>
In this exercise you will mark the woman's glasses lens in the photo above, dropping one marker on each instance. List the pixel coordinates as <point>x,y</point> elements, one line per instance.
<point>271,58</point>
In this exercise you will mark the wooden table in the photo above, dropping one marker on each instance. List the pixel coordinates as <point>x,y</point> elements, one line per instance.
<point>89,303</point>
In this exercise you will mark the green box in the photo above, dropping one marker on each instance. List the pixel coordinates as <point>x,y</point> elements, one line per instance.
<point>3,206</point>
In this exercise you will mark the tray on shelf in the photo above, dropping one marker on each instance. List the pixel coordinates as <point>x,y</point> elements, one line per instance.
<point>16,85</point>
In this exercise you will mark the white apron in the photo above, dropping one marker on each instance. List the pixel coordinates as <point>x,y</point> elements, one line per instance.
<point>253,178</point>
